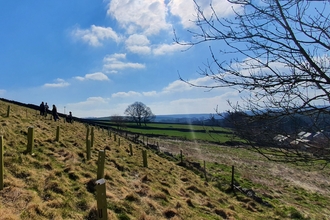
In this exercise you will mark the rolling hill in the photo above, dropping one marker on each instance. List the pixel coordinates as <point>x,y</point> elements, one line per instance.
<point>57,181</point>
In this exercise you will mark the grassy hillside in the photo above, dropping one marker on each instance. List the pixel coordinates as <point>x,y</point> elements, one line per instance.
<point>57,182</point>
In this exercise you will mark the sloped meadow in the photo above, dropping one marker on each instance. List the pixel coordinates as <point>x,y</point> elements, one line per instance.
<point>57,181</point>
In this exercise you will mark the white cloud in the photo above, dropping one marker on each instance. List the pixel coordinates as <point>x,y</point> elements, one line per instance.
<point>176,86</point>
<point>80,78</point>
<point>126,94</point>
<point>168,48</point>
<point>190,105</point>
<point>92,101</point>
<point>138,43</point>
<point>112,72</point>
<point>181,86</point>
<point>99,76</point>
<point>203,81</point>
<point>148,17</point>
<point>150,93</point>
<point>185,10</point>
<point>2,91</point>
<point>95,34</point>
<point>58,84</point>
<point>114,61</point>
<point>91,107</point>
<point>114,57</point>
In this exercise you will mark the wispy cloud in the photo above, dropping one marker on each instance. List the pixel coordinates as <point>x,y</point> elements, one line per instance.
<point>92,101</point>
<point>117,61</point>
<point>2,91</point>
<point>176,86</point>
<point>99,76</point>
<point>168,48</point>
<point>150,93</point>
<point>95,34</point>
<point>126,94</point>
<point>57,84</point>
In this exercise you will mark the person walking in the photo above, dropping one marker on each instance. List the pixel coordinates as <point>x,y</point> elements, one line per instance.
<point>46,109</point>
<point>69,118</point>
<point>55,115</point>
<point>42,108</point>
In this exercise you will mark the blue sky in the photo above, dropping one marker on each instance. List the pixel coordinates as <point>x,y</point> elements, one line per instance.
<point>95,57</point>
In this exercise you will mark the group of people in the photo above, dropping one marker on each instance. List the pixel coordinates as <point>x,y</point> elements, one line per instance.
<point>44,110</point>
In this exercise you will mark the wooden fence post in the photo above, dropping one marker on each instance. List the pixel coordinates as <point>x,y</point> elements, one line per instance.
<point>131,149</point>
<point>1,162</point>
<point>30,140</point>
<point>88,150</point>
<point>232,177</point>
<point>92,138</point>
<point>144,156</point>
<point>101,199</point>
<point>100,164</point>
<point>181,157</point>
<point>8,111</point>
<point>58,133</point>
<point>205,174</point>
<point>118,141</point>
<point>87,134</point>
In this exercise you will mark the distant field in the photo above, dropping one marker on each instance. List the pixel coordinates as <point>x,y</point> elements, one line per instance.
<point>180,131</point>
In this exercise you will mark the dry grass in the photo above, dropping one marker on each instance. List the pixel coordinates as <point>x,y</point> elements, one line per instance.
<point>57,182</point>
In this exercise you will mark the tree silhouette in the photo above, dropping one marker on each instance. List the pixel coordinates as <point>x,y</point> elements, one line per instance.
<point>139,113</point>
<point>282,73</point>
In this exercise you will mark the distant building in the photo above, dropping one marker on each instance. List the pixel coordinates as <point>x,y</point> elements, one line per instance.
<point>315,143</point>
<point>305,135</point>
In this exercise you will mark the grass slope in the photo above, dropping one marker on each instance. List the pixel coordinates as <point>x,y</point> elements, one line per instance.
<point>58,183</point>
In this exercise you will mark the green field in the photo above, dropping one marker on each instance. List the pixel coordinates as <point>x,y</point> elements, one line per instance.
<point>178,131</point>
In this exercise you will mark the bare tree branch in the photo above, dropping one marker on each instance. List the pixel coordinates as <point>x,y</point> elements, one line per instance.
<point>283,67</point>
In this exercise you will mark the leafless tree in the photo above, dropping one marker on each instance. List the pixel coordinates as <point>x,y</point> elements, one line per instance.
<point>280,66</point>
<point>147,115</point>
<point>118,120</point>
<point>139,112</point>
